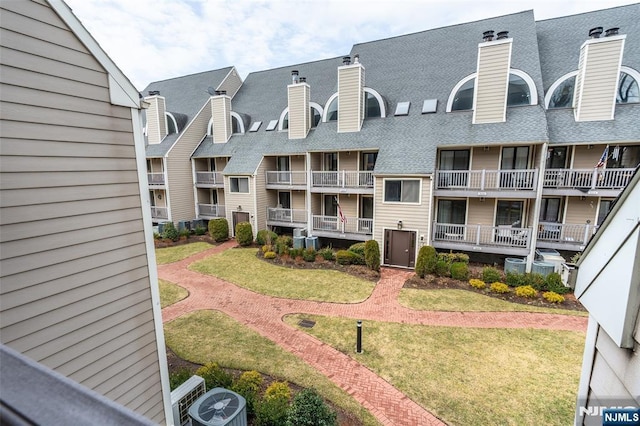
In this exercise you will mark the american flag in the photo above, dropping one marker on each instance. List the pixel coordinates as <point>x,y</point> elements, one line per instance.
<point>343,218</point>
<point>603,159</point>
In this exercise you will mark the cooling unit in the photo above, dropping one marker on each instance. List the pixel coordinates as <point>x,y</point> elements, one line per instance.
<point>219,407</point>
<point>183,396</point>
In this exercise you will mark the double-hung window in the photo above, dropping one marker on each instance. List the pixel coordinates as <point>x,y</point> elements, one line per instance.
<point>402,190</point>
<point>239,184</point>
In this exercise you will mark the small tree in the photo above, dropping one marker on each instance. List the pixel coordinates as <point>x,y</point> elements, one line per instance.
<point>244,234</point>
<point>170,232</point>
<point>308,409</point>
<point>372,255</point>
<point>426,263</point>
<point>265,236</point>
<point>219,229</point>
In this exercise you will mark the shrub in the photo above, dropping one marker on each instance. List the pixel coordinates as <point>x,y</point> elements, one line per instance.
<point>454,257</point>
<point>426,263</point>
<point>357,248</point>
<point>553,297</point>
<point>460,271</point>
<point>309,409</point>
<point>297,252</point>
<point>266,237</point>
<point>179,377</point>
<point>327,253</point>
<point>475,283</point>
<point>248,385</point>
<point>526,291</point>
<point>200,230</point>
<point>219,229</point>
<point>156,236</point>
<point>270,255</point>
<point>170,232</point>
<point>278,390</point>
<point>491,274</point>
<point>283,243</point>
<point>265,248</point>
<point>554,283</point>
<point>536,281</point>
<point>309,255</point>
<point>244,234</point>
<point>184,233</point>
<point>214,376</point>
<point>515,279</point>
<point>346,257</point>
<point>272,410</point>
<point>442,268</point>
<point>372,255</point>
<point>500,288</point>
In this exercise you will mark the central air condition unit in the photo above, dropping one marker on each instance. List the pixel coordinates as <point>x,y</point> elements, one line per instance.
<point>219,407</point>
<point>184,396</point>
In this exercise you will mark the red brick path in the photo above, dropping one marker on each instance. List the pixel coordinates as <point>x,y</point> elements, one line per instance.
<point>264,315</point>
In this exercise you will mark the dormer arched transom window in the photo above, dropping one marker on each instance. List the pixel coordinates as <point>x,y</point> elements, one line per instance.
<point>172,124</point>
<point>315,111</point>
<point>373,106</point>
<point>237,125</point>
<point>521,91</point>
<point>560,94</point>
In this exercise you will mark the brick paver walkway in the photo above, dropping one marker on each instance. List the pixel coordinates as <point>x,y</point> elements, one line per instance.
<point>264,315</point>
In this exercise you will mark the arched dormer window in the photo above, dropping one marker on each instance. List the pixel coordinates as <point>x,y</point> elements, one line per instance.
<point>560,94</point>
<point>521,91</point>
<point>373,106</point>
<point>316,114</point>
<point>237,125</point>
<point>172,124</point>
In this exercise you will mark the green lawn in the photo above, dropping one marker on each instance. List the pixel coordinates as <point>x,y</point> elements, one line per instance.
<point>468,301</point>
<point>469,376</point>
<point>243,268</point>
<point>176,253</point>
<point>206,336</point>
<point>171,293</point>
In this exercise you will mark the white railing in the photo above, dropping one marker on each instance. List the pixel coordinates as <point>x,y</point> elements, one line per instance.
<point>286,178</point>
<point>286,215</point>
<point>565,233</point>
<point>155,178</point>
<point>482,180</point>
<point>587,178</point>
<point>482,235</point>
<point>159,212</point>
<point>342,179</point>
<point>211,210</point>
<point>209,178</point>
<point>351,225</point>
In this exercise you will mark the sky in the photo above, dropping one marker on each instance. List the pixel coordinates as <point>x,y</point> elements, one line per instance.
<point>153,40</point>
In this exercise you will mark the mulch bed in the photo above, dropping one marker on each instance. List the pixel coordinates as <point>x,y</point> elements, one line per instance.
<point>165,242</point>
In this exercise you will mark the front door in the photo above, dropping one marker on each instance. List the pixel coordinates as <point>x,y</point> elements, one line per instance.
<point>239,217</point>
<point>399,248</point>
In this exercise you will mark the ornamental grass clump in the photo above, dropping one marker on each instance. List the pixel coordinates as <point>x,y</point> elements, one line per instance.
<point>476,283</point>
<point>499,288</point>
<point>553,297</point>
<point>526,291</point>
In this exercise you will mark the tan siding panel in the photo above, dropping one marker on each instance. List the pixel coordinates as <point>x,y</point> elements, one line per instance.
<point>316,161</point>
<point>68,179</point>
<point>40,148</point>
<point>39,196</point>
<point>491,90</point>
<point>35,131</point>
<point>24,164</point>
<point>231,84</point>
<point>297,163</point>
<point>350,98</point>
<point>587,158</point>
<point>38,81</point>
<point>42,14</point>
<point>298,100</point>
<point>349,206</point>
<point>262,198</point>
<point>579,211</point>
<point>116,376</point>
<point>620,360</point>
<point>480,213</point>
<point>348,160</point>
<point>316,204</point>
<point>221,113</point>
<point>485,160</point>
<point>298,200</point>
<point>605,383</point>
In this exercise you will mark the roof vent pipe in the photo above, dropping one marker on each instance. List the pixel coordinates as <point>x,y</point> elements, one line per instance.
<point>356,59</point>
<point>346,60</point>
<point>488,35</point>
<point>611,32</point>
<point>154,92</point>
<point>595,32</point>
<point>502,35</point>
<point>294,76</point>
<point>223,92</point>
<point>303,79</point>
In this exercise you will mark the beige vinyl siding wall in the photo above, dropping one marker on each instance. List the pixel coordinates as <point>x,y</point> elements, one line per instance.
<point>75,281</point>
<point>348,160</point>
<point>579,211</point>
<point>231,83</point>
<point>490,101</point>
<point>485,160</point>
<point>221,112</point>
<point>414,217</point>
<point>481,212</point>
<point>221,163</point>
<point>316,204</point>
<point>587,158</point>
<point>180,174</point>
<point>235,199</point>
<point>299,122</point>
<point>298,200</point>
<point>316,161</point>
<point>350,98</point>
<point>264,198</point>
<point>156,165</point>
<point>349,205</point>
<point>297,163</point>
<point>221,197</point>
<point>156,119</point>
<point>598,75</point>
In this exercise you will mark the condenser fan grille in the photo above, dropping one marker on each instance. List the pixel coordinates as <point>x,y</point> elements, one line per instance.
<point>219,406</point>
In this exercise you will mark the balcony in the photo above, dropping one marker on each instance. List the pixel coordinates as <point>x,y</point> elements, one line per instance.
<point>564,236</point>
<point>286,217</point>
<point>352,229</point>
<point>155,178</point>
<point>487,183</point>
<point>159,213</point>
<point>209,179</point>
<point>210,211</point>
<point>482,238</point>
<point>287,180</point>
<point>346,181</point>
<point>608,182</point>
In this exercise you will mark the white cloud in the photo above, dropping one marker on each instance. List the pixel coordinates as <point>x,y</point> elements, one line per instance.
<point>153,40</point>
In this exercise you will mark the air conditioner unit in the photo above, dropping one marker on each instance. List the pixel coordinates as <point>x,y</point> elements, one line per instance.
<point>184,396</point>
<point>219,407</point>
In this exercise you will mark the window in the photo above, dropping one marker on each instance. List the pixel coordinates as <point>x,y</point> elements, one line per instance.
<point>509,213</point>
<point>627,90</point>
<point>402,191</point>
<point>172,126</point>
<point>235,125</point>
<point>212,164</point>
<point>429,106</point>
<point>330,205</point>
<point>366,208</point>
<point>332,110</point>
<point>514,158</point>
<point>284,200</point>
<point>368,161</point>
<point>213,196</point>
<point>402,108</point>
<point>550,209</point>
<point>330,161</point>
<point>521,91</point>
<point>316,116</point>
<point>464,97</point>
<point>272,125</point>
<point>518,93</point>
<point>623,157</point>
<point>255,126</point>
<point>556,157</point>
<point>605,206</point>
<point>561,92</point>
<point>562,96</point>
<point>239,184</point>
<point>371,106</point>
<point>454,159</point>
<point>452,211</point>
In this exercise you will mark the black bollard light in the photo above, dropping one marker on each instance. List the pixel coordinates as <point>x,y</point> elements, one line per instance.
<point>359,337</point>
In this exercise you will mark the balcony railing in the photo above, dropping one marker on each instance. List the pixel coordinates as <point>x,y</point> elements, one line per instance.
<point>482,235</point>
<point>286,215</point>
<point>211,210</point>
<point>155,178</point>
<point>333,224</point>
<point>484,180</point>
<point>342,179</point>
<point>287,178</point>
<point>565,233</point>
<point>159,213</point>
<point>209,178</point>
<point>587,178</point>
